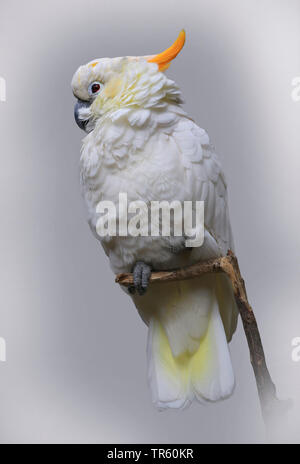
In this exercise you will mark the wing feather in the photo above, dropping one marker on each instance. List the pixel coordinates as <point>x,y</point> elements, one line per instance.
<point>208,182</point>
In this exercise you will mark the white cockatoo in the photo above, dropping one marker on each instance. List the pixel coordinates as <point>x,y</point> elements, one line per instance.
<point>140,141</point>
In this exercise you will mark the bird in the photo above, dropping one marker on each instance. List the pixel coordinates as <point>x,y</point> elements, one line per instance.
<point>140,141</point>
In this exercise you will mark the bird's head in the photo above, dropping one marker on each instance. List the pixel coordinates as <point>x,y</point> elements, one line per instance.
<point>106,85</point>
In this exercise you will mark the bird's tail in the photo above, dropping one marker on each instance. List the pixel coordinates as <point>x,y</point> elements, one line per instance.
<point>188,355</point>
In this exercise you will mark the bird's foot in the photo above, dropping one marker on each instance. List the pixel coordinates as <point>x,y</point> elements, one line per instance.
<point>141,275</point>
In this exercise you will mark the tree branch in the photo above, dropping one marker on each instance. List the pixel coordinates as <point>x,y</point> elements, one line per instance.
<point>271,407</point>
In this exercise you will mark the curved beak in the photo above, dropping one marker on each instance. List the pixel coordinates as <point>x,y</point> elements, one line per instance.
<point>81,105</point>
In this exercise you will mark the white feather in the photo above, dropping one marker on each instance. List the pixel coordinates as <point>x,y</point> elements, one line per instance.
<point>144,144</point>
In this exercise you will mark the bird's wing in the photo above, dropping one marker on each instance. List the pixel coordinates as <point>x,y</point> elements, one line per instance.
<point>205,180</point>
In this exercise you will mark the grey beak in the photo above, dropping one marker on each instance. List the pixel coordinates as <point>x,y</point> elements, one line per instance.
<point>80,104</point>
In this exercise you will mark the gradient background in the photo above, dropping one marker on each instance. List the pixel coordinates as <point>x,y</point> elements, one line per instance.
<point>76,364</point>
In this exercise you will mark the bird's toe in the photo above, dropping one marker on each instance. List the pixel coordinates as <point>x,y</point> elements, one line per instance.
<point>141,276</point>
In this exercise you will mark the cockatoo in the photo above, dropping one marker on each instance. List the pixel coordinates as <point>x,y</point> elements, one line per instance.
<point>140,141</point>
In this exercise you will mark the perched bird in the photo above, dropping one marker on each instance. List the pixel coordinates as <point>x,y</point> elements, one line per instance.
<point>141,142</point>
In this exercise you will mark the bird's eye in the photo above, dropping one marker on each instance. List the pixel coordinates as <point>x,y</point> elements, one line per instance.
<point>94,88</point>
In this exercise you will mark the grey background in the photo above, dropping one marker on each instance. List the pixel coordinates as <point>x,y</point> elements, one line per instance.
<point>76,364</point>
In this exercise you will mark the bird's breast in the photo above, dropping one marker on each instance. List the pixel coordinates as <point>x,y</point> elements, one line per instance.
<point>153,173</point>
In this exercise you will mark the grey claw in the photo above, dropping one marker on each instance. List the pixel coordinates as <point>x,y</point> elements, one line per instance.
<point>131,289</point>
<point>141,276</point>
<point>141,291</point>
